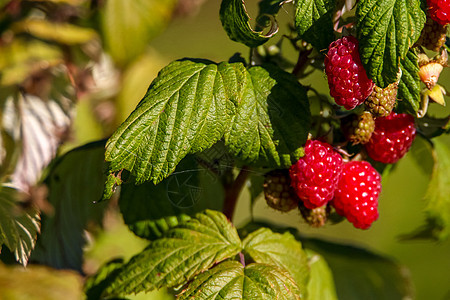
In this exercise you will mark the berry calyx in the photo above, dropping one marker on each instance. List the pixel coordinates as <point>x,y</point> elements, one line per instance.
<point>356,197</point>
<point>439,10</point>
<point>392,138</point>
<point>347,78</point>
<point>358,128</point>
<point>430,70</point>
<point>278,191</point>
<point>314,176</point>
<point>382,101</point>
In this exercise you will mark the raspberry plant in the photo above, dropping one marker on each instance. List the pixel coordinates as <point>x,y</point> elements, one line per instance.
<point>205,131</point>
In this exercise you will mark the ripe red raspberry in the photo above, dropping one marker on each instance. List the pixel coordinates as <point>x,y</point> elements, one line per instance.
<point>356,196</point>
<point>392,138</point>
<point>314,176</point>
<point>347,79</point>
<point>439,10</point>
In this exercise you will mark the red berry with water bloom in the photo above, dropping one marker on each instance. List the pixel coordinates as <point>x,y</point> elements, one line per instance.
<point>347,78</point>
<point>392,138</point>
<point>439,10</point>
<point>356,196</point>
<point>314,176</point>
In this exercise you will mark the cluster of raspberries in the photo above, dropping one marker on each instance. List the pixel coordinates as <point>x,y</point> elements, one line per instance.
<point>321,178</point>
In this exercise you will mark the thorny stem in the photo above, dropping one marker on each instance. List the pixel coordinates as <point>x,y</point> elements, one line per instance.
<point>232,192</point>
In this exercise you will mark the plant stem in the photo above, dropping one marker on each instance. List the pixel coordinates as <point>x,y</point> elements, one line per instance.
<point>232,192</point>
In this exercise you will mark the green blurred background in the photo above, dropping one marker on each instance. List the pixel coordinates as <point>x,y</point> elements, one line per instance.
<point>401,204</point>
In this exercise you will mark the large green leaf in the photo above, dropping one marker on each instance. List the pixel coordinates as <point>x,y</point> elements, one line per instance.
<point>386,30</point>
<point>314,21</point>
<point>18,227</point>
<point>231,280</point>
<point>150,210</point>
<point>272,119</point>
<point>437,211</point>
<point>75,183</point>
<point>409,85</point>
<point>321,282</point>
<point>360,274</point>
<point>128,26</point>
<point>236,22</point>
<point>283,250</point>
<point>190,248</point>
<point>262,113</point>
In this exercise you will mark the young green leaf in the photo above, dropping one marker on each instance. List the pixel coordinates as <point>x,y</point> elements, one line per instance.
<point>437,210</point>
<point>386,29</point>
<point>409,85</point>
<point>262,113</point>
<point>236,22</point>
<point>438,207</point>
<point>283,250</point>
<point>150,210</point>
<point>75,184</point>
<point>313,20</point>
<point>18,227</point>
<point>185,251</point>
<point>231,280</point>
<point>321,282</point>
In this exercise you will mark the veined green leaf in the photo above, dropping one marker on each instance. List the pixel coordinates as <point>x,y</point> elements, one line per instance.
<point>151,210</point>
<point>75,184</point>
<point>185,251</point>
<point>314,21</point>
<point>272,119</point>
<point>283,250</point>
<point>185,110</point>
<point>236,22</point>
<point>18,227</point>
<point>386,29</point>
<point>409,85</point>
<point>231,280</point>
<point>262,113</point>
<point>321,282</point>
